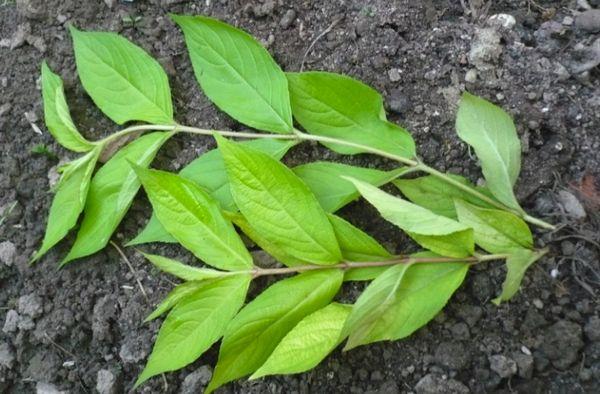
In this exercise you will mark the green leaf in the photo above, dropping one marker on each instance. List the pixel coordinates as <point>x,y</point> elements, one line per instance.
<point>111,192</point>
<point>194,218</point>
<point>278,204</point>
<point>438,196</point>
<point>491,132</point>
<point>434,232</point>
<point>517,263</point>
<point>208,171</point>
<point>495,231</point>
<point>69,199</point>
<point>356,245</point>
<point>237,73</point>
<point>259,327</point>
<point>121,78</point>
<point>279,253</point>
<point>401,300</point>
<point>307,344</point>
<point>182,271</point>
<point>338,106</point>
<point>177,294</point>
<point>56,113</point>
<point>332,191</point>
<point>195,324</point>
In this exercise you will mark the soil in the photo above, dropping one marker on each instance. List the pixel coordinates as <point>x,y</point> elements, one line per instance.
<point>80,330</point>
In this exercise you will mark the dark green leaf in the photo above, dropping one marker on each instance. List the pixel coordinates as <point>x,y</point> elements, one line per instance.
<point>194,218</point>
<point>338,106</point>
<point>259,327</point>
<point>195,324</point>
<point>237,73</point>
<point>491,132</point>
<point>69,200</point>
<point>332,191</point>
<point>279,206</point>
<point>495,231</point>
<point>434,232</point>
<point>56,113</point>
<point>307,344</point>
<point>401,300</point>
<point>122,79</point>
<point>438,196</point>
<point>111,193</point>
<point>208,171</point>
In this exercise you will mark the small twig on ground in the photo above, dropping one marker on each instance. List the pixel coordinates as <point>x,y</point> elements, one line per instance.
<point>317,38</point>
<point>62,349</point>
<point>124,257</point>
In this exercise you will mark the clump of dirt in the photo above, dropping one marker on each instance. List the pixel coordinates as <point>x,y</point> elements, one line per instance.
<point>80,329</point>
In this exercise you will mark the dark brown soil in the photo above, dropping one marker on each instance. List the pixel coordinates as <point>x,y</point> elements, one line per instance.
<point>81,328</point>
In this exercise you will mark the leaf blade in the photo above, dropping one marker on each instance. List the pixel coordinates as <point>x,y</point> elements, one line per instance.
<point>194,219</point>
<point>180,270</point>
<point>278,204</point>
<point>228,64</point>
<point>195,324</point>
<point>56,113</point>
<point>115,73</point>
<point>517,264</point>
<point>491,132</point>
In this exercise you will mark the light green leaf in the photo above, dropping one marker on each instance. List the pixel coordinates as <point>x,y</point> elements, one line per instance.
<point>332,191</point>
<point>434,232</point>
<point>307,344</point>
<point>69,199</point>
<point>121,78</point>
<point>237,73</point>
<point>208,171</point>
<point>356,245</point>
<point>111,192</point>
<point>182,271</point>
<point>278,252</point>
<point>279,205</point>
<point>438,196</point>
<point>195,324</point>
<point>491,132</point>
<point>56,113</point>
<point>338,106</point>
<point>259,327</point>
<point>401,300</point>
<point>495,231</point>
<point>194,218</point>
<point>517,263</point>
<point>177,294</point>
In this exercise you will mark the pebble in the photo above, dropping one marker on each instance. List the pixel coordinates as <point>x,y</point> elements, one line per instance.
<point>588,21</point>
<point>538,303</point>
<point>47,388</point>
<point>287,19</point>
<point>567,21</point>
<point>398,102</point>
<point>436,384</point>
<point>106,382</point>
<point>506,21</point>
<point>11,322</point>
<point>486,49</point>
<point>452,355</point>
<point>30,305</point>
<point>471,76</point>
<point>524,364</point>
<point>592,329</point>
<point>502,365</point>
<point>394,75</point>
<point>8,252</point>
<point>197,380</point>
<point>7,356</point>
<point>571,204</point>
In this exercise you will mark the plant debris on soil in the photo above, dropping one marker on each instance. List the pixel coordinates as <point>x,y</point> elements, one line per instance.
<point>80,329</point>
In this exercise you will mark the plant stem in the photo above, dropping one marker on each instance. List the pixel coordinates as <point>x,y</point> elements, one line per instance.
<point>301,136</point>
<point>402,259</point>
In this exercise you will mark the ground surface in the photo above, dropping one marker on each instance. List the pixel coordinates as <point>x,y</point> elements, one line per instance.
<point>80,328</point>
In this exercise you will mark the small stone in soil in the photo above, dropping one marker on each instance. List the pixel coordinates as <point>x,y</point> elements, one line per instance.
<point>287,19</point>
<point>11,322</point>
<point>30,305</point>
<point>7,356</point>
<point>47,388</point>
<point>571,204</point>
<point>588,21</point>
<point>502,365</point>
<point>436,384</point>
<point>106,382</point>
<point>8,251</point>
<point>524,364</point>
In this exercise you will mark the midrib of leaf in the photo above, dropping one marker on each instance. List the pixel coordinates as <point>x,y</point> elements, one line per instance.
<point>213,235</point>
<point>284,210</point>
<point>120,74</point>
<point>239,75</point>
